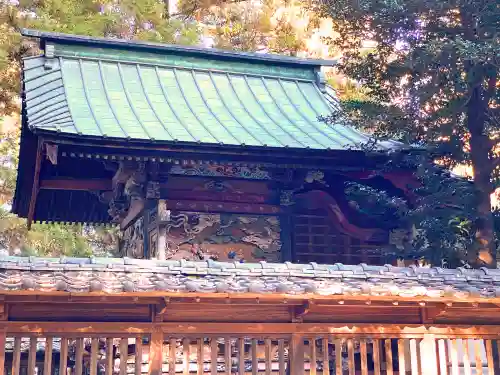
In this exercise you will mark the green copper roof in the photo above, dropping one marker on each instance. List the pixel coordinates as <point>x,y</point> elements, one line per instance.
<point>147,95</point>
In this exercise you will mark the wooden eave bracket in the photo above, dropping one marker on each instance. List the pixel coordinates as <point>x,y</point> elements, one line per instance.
<point>158,311</point>
<point>298,312</point>
<point>4,311</point>
<point>429,314</point>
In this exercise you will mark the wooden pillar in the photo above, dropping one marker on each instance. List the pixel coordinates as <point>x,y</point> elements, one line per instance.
<point>162,230</point>
<point>286,230</point>
<point>2,352</point>
<point>156,353</point>
<point>145,230</point>
<point>428,357</point>
<point>297,355</point>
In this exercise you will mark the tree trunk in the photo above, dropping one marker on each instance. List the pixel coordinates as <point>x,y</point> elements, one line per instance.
<point>480,145</point>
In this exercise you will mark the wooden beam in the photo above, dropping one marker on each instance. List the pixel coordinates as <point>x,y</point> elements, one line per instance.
<point>217,206</point>
<point>132,329</point>
<point>36,181</point>
<point>319,300</point>
<point>71,184</point>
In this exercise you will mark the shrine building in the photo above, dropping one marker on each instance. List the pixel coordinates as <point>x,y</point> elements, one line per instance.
<point>241,252</point>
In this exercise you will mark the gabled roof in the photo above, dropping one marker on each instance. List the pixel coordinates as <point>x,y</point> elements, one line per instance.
<point>124,275</point>
<point>106,88</point>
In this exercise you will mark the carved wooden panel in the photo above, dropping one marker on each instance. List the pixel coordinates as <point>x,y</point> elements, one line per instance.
<point>132,244</point>
<point>223,237</point>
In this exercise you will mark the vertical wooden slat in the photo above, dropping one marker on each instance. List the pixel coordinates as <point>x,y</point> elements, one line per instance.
<point>109,367</point>
<point>389,362</point>
<point>443,364</point>
<point>255,362</point>
<point>312,353</point>
<point>138,355</point>
<point>32,356</point>
<point>16,356</point>
<point>185,356</point>
<point>364,357</point>
<point>414,356</point>
<point>454,357</point>
<point>498,350</point>
<point>172,343</point>
<point>241,356</point>
<point>401,356</point>
<point>268,355</point>
<point>94,347</point>
<point>297,355</point>
<point>47,364</point>
<point>465,347</point>
<point>123,355</point>
<point>427,355</point>
<point>3,337</point>
<point>338,357</point>
<point>63,359</point>
<point>489,357</point>
<point>350,357</point>
<point>376,357</point>
<point>281,356</point>
<point>479,359</point>
<point>200,359</point>
<point>79,357</point>
<point>326,363</point>
<point>156,353</point>
<point>227,355</point>
<point>214,349</point>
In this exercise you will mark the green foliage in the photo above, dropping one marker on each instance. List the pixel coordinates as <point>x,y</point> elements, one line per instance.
<point>43,239</point>
<point>263,25</point>
<point>440,223</point>
<point>432,78</point>
<point>129,19</point>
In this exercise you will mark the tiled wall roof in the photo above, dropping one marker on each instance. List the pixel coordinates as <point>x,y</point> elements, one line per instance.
<point>116,275</point>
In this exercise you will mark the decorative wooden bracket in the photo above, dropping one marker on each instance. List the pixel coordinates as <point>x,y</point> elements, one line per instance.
<point>158,311</point>
<point>298,312</point>
<point>4,311</point>
<point>36,182</point>
<point>428,314</point>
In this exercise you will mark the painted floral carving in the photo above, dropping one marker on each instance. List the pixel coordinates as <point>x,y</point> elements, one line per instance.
<point>223,237</point>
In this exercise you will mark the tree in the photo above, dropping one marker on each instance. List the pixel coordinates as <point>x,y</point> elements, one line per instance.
<point>252,25</point>
<point>432,78</point>
<point>130,19</point>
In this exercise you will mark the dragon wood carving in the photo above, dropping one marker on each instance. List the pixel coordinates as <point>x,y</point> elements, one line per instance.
<point>196,236</point>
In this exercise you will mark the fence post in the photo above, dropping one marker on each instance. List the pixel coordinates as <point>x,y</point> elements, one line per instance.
<point>297,355</point>
<point>428,355</point>
<point>2,352</point>
<point>156,352</point>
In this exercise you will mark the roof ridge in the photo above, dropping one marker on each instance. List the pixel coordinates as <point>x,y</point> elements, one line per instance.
<point>45,36</point>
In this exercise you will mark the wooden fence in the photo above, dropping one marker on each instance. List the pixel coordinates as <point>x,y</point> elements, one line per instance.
<point>245,349</point>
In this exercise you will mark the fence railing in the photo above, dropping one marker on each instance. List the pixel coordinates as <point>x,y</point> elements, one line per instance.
<point>245,349</point>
